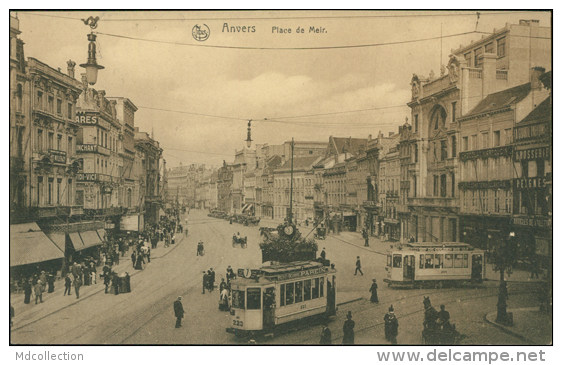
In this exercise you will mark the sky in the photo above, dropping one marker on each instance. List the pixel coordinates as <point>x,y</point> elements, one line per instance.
<point>349,79</point>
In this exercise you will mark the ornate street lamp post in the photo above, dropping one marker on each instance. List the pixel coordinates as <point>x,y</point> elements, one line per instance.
<point>92,66</point>
<point>503,260</point>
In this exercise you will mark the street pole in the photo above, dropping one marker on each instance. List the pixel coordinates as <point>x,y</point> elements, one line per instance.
<point>291,193</point>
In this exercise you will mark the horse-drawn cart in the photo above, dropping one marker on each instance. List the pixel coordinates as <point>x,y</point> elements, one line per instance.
<point>440,336</point>
<point>320,233</point>
<point>239,242</point>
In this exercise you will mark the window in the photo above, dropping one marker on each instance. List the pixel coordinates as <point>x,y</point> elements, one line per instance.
<point>443,185</point>
<point>454,111</point>
<point>477,52</point>
<point>484,201</point>
<point>315,288</point>
<point>238,297</point>
<point>438,117</point>
<point>474,142</point>
<point>496,201</point>
<point>465,143</point>
<point>254,298</point>
<point>289,293</point>
<point>59,142</point>
<point>453,184</point>
<point>39,140</point>
<point>59,182</point>
<point>50,191</point>
<point>439,261</point>
<point>69,111</point>
<point>501,47</point>
<point>389,260</point>
<point>453,146</point>
<point>59,106</point>
<point>429,261</point>
<point>489,48</point>
<point>19,97</point>
<point>51,104</point>
<point>321,287</point>
<point>69,192</point>
<point>435,185</point>
<point>448,261</point>
<point>458,262</point>
<point>415,153</point>
<point>307,289</point>
<point>50,140</point>
<point>39,101</point>
<point>397,261</point>
<point>415,123</point>
<point>39,190</point>
<point>496,139</point>
<point>298,292</point>
<point>282,295</point>
<point>443,149</point>
<point>485,140</point>
<point>69,146</point>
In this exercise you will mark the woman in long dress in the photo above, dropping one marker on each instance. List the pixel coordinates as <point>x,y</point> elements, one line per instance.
<point>373,290</point>
<point>223,304</point>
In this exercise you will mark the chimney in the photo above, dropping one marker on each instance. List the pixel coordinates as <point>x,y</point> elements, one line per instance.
<point>536,73</point>
<point>488,61</point>
<point>70,67</point>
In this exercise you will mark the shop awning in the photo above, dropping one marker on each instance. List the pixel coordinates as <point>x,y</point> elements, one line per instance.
<point>28,245</point>
<point>101,233</point>
<point>90,239</point>
<point>244,208</point>
<point>59,239</point>
<point>76,241</point>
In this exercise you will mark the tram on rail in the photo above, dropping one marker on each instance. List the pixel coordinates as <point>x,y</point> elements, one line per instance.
<point>271,296</point>
<point>438,263</point>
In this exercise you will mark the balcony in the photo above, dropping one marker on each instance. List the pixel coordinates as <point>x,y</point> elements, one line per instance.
<point>29,214</point>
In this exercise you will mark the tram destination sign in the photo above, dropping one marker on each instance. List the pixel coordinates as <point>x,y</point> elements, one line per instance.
<point>302,273</point>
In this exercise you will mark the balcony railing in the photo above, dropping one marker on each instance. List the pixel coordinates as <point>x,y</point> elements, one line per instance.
<point>434,202</point>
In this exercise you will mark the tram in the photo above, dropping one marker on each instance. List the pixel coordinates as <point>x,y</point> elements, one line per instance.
<point>271,296</point>
<point>438,263</point>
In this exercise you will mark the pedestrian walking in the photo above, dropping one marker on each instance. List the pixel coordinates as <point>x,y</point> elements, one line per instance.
<point>51,282</point>
<point>390,326</point>
<point>325,335</point>
<point>348,331</point>
<point>223,301</point>
<point>38,291</point>
<point>67,284</point>
<point>211,279</point>
<point>77,285</point>
<point>222,285</point>
<point>205,280</point>
<point>115,281</point>
<point>373,290</point>
<point>139,262</point>
<point>148,253</point>
<point>178,311</point>
<point>27,290</point>
<point>358,266</point>
<point>535,268</point>
<point>93,273</point>
<point>43,278</point>
<point>366,237</point>
<point>134,258</point>
<point>107,281</point>
<point>127,282</point>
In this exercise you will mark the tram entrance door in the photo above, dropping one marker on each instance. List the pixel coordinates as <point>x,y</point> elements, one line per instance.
<point>331,298</point>
<point>477,262</point>
<point>269,307</point>
<point>409,267</point>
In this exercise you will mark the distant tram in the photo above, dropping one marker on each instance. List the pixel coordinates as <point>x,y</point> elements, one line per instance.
<point>271,296</point>
<point>438,263</point>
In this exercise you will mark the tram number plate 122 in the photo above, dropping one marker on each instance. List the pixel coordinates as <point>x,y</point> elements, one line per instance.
<point>237,323</point>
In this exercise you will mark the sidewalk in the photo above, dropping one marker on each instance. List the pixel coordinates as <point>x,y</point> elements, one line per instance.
<point>54,302</point>
<point>529,324</point>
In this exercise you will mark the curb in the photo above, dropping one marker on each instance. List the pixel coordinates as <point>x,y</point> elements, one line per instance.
<point>87,296</point>
<point>508,331</point>
<point>351,301</point>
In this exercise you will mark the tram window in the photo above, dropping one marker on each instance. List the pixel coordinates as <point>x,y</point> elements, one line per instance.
<point>289,293</point>
<point>389,260</point>
<point>254,298</point>
<point>422,261</point>
<point>298,292</point>
<point>321,286</point>
<point>465,261</point>
<point>282,292</point>
<point>307,289</point>
<point>429,261</point>
<point>315,289</point>
<point>448,262</point>
<point>458,260</point>
<point>438,261</point>
<point>238,299</point>
<point>397,262</point>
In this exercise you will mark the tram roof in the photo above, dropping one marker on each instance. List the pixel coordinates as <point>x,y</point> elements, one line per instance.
<point>434,245</point>
<point>286,271</point>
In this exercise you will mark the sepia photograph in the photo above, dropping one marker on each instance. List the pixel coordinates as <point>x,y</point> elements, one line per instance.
<point>277,177</point>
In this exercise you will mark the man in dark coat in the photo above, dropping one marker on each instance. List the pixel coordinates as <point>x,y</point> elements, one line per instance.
<point>443,318</point>
<point>365,237</point>
<point>67,284</point>
<point>115,282</point>
<point>134,258</point>
<point>326,335</point>
<point>127,283</point>
<point>348,331</point>
<point>205,280</point>
<point>390,326</point>
<point>178,311</point>
<point>373,290</point>
<point>211,280</point>
<point>27,289</point>
<point>107,281</point>
<point>358,266</point>
<point>51,282</point>
<point>323,253</point>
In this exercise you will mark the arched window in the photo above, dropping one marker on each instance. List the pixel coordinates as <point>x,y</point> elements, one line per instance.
<point>19,97</point>
<point>438,117</point>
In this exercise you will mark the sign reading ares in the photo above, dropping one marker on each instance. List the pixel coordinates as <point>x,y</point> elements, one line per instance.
<point>86,119</point>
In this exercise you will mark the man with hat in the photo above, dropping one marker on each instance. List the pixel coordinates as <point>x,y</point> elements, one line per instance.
<point>358,266</point>
<point>205,280</point>
<point>38,291</point>
<point>326,335</point>
<point>390,326</point>
<point>348,332</point>
<point>323,253</point>
<point>373,290</point>
<point>178,311</point>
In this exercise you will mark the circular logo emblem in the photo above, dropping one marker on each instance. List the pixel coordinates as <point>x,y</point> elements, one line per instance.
<point>201,32</point>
